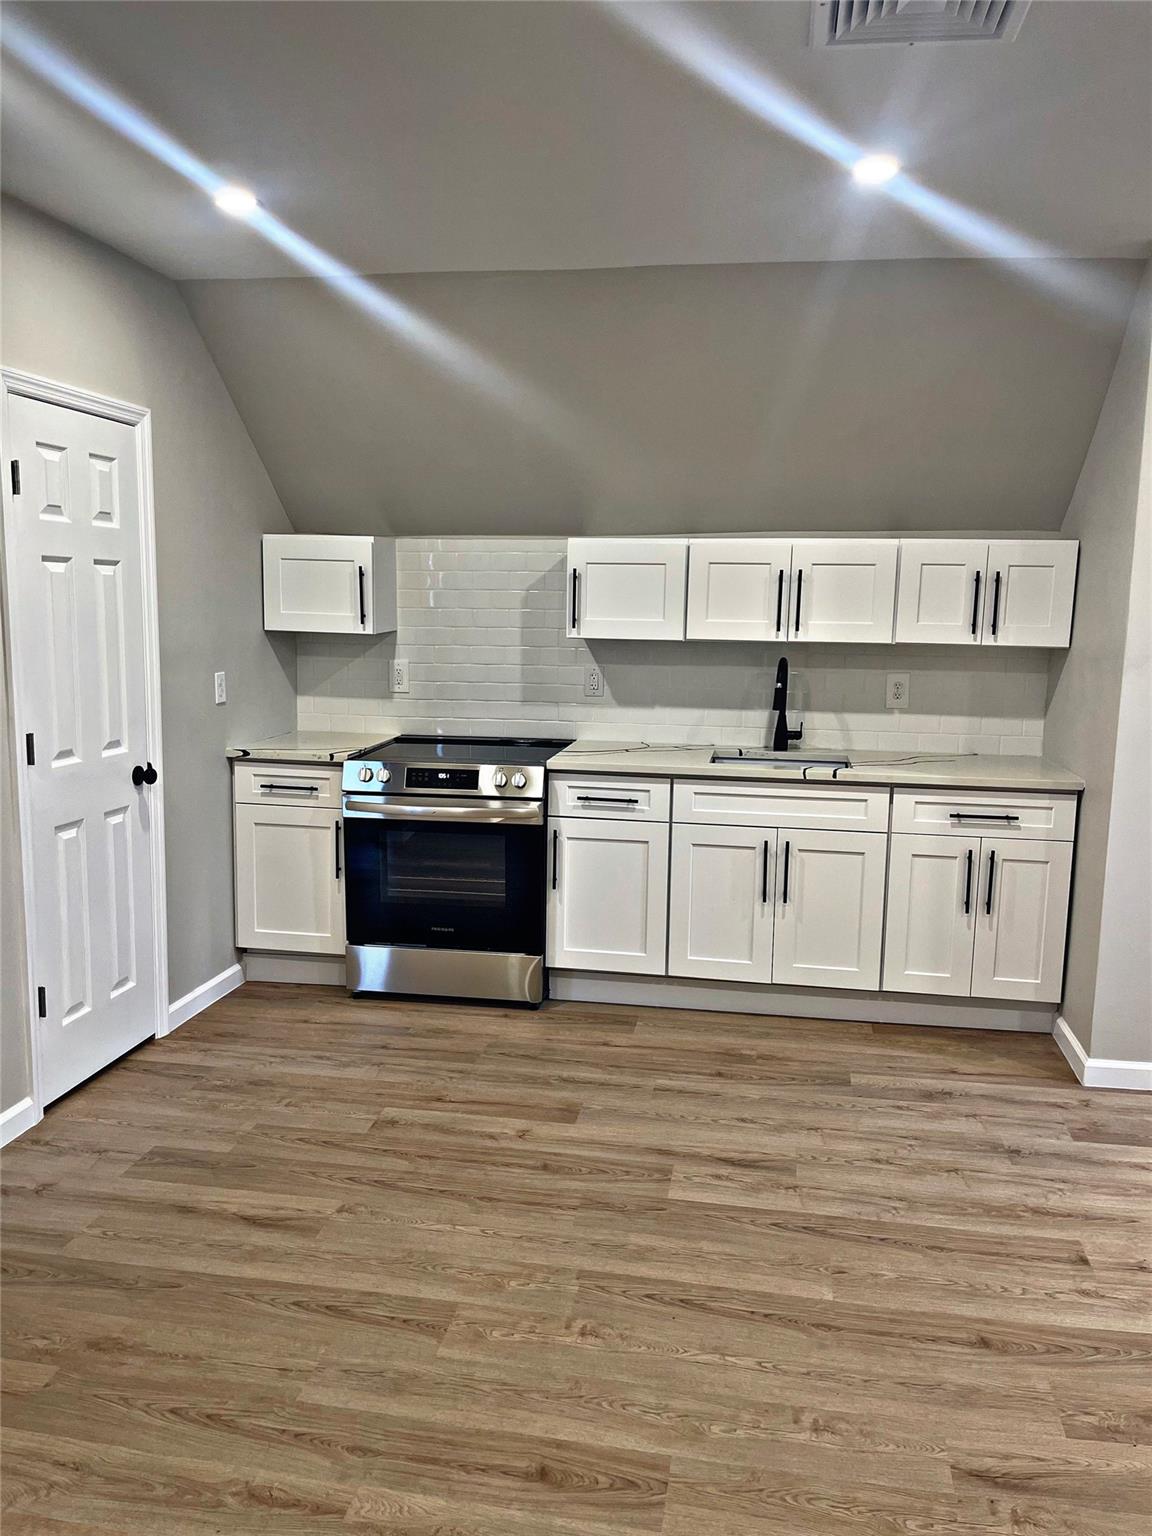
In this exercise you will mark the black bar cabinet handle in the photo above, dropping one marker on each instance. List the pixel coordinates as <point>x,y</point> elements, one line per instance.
<point>995,603</point>
<point>787,855</point>
<point>991,879</point>
<point>555,857</point>
<point>976,606</point>
<point>799,593</point>
<point>296,789</point>
<point>1005,816</point>
<point>968,883</point>
<point>607,799</point>
<point>360,589</point>
<point>337,831</point>
<point>764,875</point>
<point>779,601</point>
<point>575,610</point>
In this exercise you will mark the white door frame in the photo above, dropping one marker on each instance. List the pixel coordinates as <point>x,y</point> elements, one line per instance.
<point>139,418</point>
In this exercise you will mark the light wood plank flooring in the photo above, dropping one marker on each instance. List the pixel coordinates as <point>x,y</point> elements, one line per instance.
<point>314,1265</point>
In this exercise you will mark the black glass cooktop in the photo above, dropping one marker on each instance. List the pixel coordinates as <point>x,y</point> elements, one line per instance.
<point>519,751</point>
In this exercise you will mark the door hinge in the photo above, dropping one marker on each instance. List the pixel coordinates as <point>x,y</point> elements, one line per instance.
<point>15,477</point>
<point>30,748</point>
<point>41,1002</point>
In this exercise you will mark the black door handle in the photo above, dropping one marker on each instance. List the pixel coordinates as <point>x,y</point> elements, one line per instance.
<point>146,775</point>
<point>779,600</point>
<point>337,829</point>
<point>138,775</point>
<point>764,875</point>
<point>575,603</point>
<point>555,857</point>
<point>991,880</point>
<point>150,774</point>
<point>787,855</point>
<point>360,589</point>
<point>968,883</point>
<point>799,593</point>
<point>995,604</point>
<point>976,606</point>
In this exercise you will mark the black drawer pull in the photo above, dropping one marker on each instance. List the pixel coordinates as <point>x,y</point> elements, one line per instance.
<point>1005,816</point>
<point>608,799</point>
<point>294,789</point>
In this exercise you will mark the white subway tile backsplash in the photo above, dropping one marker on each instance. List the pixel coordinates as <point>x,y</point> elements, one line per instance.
<point>482,626</point>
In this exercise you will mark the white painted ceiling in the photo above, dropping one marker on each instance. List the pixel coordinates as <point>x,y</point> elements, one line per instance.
<point>441,137</point>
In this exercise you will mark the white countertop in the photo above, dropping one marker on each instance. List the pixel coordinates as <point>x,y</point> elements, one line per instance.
<point>308,747</point>
<point>969,771</point>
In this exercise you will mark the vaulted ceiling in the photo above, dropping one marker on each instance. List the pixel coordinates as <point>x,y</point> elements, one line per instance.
<point>606,293</point>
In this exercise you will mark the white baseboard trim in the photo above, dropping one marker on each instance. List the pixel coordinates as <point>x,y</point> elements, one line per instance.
<point>309,970</point>
<point>19,1118</point>
<point>1100,1071</point>
<point>808,1003</point>
<point>203,996</point>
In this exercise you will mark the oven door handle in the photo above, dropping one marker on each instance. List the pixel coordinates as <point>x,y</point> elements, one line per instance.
<point>523,812</point>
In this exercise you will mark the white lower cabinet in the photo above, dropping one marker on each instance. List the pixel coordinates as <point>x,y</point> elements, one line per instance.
<point>829,919</point>
<point>977,917</point>
<point>1022,916</point>
<point>289,892</point>
<point>931,914</point>
<point>720,914</point>
<point>608,897</point>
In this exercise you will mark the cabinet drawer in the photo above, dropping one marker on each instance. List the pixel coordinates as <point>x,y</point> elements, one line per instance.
<point>749,804</point>
<point>609,799</point>
<point>984,812</point>
<point>285,784</point>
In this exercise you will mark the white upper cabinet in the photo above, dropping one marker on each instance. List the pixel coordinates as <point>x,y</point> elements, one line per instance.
<point>738,589</point>
<point>627,589</point>
<point>329,584</point>
<point>1031,587</point>
<point>976,592</point>
<point>942,591</point>
<point>843,590</point>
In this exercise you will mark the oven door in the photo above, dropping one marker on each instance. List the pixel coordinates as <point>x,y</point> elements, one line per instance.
<point>445,874</point>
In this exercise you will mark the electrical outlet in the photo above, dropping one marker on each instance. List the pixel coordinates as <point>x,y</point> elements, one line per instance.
<point>896,690</point>
<point>221,689</point>
<point>593,683</point>
<point>400,674</point>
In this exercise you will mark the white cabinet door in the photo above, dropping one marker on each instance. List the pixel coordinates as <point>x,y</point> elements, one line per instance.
<point>720,913</point>
<point>1021,919</point>
<point>289,895</point>
<point>844,590</point>
<point>329,584</point>
<point>931,919</point>
<point>627,589</point>
<point>1031,588</point>
<point>829,909</point>
<point>942,590</point>
<point>738,589</point>
<point>608,902</point>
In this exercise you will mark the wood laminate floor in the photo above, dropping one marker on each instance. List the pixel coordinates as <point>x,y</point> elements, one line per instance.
<point>313,1265</point>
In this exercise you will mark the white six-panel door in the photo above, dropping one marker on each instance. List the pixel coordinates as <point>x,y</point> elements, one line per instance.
<point>608,903</point>
<point>829,909</point>
<point>738,589</point>
<point>942,590</point>
<point>627,589</point>
<point>844,590</point>
<point>75,569</point>
<point>931,920</point>
<point>1021,918</point>
<point>723,891</point>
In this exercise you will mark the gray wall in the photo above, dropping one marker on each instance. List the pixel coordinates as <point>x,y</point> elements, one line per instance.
<point>1086,681</point>
<point>79,312</point>
<point>839,396</point>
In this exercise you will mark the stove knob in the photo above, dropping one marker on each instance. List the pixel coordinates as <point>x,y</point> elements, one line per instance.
<point>518,780</point>
<point>365,774</point>
<point>384,774</point>
<point>500,778</point>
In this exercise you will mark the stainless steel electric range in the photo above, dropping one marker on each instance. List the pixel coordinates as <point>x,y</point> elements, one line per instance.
<point>444,867</point>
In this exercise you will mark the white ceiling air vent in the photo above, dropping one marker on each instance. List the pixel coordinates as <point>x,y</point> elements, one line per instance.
<point>836,23</point>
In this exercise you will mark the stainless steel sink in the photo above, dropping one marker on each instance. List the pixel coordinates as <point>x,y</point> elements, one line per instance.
<point>772,759</point>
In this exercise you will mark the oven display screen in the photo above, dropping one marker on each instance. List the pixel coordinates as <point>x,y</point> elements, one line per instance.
<point>442,778</point>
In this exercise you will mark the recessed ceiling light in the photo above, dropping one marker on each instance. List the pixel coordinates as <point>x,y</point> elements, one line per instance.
<point>237,201</point>
<point>875,170</point>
